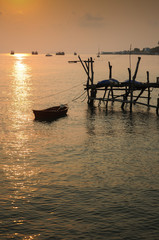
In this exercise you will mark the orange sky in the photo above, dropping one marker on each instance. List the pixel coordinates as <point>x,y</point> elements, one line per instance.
<point>78,25</point>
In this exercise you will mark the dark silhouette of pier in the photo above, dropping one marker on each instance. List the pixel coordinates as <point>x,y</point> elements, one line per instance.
<point>128,92</point>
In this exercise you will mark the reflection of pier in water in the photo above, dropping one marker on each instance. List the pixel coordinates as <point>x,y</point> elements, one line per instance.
<point>115,91</point>
<point>117,124</point>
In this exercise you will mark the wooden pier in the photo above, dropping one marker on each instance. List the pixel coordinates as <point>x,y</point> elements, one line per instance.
<point>128,92</point>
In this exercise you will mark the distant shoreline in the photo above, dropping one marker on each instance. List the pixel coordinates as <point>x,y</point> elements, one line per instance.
<point>136,51</point>
<point>128,53</point>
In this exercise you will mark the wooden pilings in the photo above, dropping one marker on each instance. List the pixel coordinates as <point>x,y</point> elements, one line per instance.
<point>88,67</point>
<point>136,70</point>
<point>111,85</point>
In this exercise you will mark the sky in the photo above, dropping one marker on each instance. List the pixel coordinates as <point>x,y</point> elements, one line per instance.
<point>83,26</point>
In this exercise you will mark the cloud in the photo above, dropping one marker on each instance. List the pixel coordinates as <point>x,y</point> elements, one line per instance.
<point>89,20</point>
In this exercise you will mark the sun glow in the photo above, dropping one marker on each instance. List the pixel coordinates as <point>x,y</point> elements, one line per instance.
<point>20,68</point>
<point>18,7</point>
<point>18,2</point>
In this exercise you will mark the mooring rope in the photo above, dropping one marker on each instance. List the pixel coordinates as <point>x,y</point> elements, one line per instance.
<point>38,98</point>
<point>74,99</point>
<point>84,98</point>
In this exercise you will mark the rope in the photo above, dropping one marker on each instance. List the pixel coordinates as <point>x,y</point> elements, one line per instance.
<point>58,92</point>
<point>84,99</point>
<point>74,99</point>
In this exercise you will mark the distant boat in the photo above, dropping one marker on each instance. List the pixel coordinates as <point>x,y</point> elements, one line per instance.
<point>60,53</point>
<point>12,52</point>
<point>48,55</point>
<point>51,114</point>
<point>98,54</point>
<point>34,53</point>
<point>74,61</point>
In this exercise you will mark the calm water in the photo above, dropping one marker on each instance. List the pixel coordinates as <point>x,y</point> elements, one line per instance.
<point>91,175</point>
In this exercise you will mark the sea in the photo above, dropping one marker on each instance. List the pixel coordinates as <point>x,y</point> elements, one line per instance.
<point>91,175</point>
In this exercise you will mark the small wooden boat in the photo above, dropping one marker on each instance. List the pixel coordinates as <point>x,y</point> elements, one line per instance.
<point>52,113</point>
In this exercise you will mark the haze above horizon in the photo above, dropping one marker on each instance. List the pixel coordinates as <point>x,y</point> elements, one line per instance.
<point>81,26</point>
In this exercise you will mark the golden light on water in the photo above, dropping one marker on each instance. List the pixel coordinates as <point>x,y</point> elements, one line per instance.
<point>20,101</point>
<point>21,84</point>
<point>15,146</point>
<point>21,76</point>
<point>18,170</point>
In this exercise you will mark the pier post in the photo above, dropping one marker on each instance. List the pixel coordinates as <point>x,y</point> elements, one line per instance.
<point>93,90</point>
<point>87,65</point>
<point>110,77</point>
<point>132,83</point>
<point>107,99</point>
<point>148,99</point>
<point>157,109</point>
<point>127,91</point>
<point>136,70</point>
<point>90,93</point>
<point>110,70</point>
<point>130,89</point>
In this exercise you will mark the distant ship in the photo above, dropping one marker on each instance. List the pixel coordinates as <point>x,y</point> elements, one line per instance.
<point>98,54</point>
<point>48,55</point>
<point>12,52</point>
<point>60,53</point>
<point>34,53</point>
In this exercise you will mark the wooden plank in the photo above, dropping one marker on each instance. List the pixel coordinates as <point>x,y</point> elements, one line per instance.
<point>145,104</point>
<point>119,100</point>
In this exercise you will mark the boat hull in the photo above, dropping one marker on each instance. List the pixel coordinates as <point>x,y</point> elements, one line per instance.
<point>50,114</point>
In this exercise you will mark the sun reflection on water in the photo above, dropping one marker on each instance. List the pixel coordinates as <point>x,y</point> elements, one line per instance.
<point>16,141</point>
<point>21,82</point>
<point>20,104</point>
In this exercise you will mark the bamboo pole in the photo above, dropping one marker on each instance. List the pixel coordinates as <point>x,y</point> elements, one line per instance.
<point>107,99</point>
<point>148,99</point>
<point>93,90</point>
<point>110,77</point>
<point>92,72</point>
<point>88,79</point>
<point>130,89</point>
<point>110,70</point>
<point>157,109</point>
<point>137,66</point>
